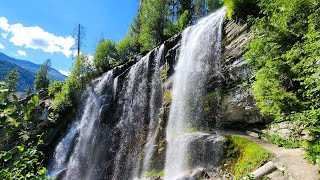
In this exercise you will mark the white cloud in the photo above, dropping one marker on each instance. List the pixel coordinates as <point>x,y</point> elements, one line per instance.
<point>21,53</point>
<point>64,72</point>
<point>4,35</point>
<point>36,38</point>
<point>1,46</point>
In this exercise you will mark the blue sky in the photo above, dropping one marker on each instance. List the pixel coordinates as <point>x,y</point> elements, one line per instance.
<point>36,30</point>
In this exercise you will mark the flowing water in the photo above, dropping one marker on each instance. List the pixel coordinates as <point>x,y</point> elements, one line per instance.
<point>199,59</point>
<point>116,135</point>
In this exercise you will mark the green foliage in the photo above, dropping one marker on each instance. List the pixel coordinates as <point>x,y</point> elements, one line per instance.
<point>241,8</point>
<point>71,91</point>
<point>184,20</point>
<point>42,79</point>
<point>153,21</point>
<point>244,156</point>
<point>24,161</point>
<point>126,49</point>
<point>279,141</point>
<point>55,87</point>
<point>106,55</point>
<point>11,80</point>
<point>285,55</point>
<point>154,173</point>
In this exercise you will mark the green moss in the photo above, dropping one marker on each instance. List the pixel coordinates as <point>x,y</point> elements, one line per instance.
<point>244,156</point>
<point>164,72</point>
<point>167,96</point>
<point>155,173</point>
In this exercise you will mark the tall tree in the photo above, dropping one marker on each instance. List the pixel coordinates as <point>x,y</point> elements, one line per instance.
<point>199,9</point>
<point>212,5</point>
<point>42,79</point>
<point>153,21</point>
<point>11,80</point>
<point>79,34</point>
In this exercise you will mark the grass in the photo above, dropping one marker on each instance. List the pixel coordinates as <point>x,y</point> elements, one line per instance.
<point>244,156</point>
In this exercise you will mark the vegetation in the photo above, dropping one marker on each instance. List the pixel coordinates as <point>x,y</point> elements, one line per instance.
<point>22,161</point>
<point>42,79</point>
<point>244,156</point>
<point>71,91</point>
<point>156,21</point>
<point>285,56</point>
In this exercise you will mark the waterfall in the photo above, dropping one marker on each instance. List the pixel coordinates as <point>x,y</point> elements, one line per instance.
<point>198,60</point>
<point>120,131</point>
<point>85,159</point>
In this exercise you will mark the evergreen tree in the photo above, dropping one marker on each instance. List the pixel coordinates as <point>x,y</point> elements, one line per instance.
<point>199,9</point>
<point>28,90</point>
<point>11,80</point>
<point>42,79</point>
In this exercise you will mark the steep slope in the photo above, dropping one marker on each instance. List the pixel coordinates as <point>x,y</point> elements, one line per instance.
<point>26,77</point>
<point>32,67</point>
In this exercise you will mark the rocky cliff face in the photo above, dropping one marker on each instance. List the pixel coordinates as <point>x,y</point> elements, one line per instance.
<point>132,102</point>
<point>237,107</point>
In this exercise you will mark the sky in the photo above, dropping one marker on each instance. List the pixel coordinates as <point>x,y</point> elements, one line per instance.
<point>37,30</point>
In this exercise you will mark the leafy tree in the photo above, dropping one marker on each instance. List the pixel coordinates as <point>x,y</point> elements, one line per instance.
<point>42,79</point>
<point>55,87</point>
<point>153,22</point>
<point>285,56</point>
<point>126,49</point>
<point>241,9</point>
<point>106,55</point>
<point>184,20</point>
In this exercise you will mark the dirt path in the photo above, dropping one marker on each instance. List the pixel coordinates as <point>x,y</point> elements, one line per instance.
<point>291,163</point>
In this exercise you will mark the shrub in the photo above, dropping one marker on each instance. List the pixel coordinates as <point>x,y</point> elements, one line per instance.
<point>241,9</point>
<point>55,87</point>
<point>106,55</point>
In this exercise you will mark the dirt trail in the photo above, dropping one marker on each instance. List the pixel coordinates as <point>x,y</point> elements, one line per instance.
<point>290,162</point>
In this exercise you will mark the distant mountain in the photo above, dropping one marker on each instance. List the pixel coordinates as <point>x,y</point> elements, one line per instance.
<point>26,77</point>
<point>53,73</point>
<point>27,71</point>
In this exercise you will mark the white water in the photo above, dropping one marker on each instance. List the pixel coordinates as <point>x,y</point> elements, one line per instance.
<point>80,157</point>
<point>199,58</point>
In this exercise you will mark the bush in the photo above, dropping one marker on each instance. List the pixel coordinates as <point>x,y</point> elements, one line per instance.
<point>241,9</point>
<point>55,87</point>
<point>106,56</point>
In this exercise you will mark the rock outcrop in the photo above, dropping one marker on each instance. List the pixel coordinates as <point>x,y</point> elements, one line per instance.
<point>238,109</point>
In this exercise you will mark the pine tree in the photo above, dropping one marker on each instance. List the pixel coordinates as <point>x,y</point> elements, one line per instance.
<point>42,79</point>
<point>11,80</point>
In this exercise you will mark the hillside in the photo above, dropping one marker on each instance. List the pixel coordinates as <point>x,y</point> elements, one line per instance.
<point>27,71</point>
<point>32,67</point>
<point>26,77</point>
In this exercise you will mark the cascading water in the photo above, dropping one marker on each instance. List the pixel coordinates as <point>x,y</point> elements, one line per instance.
<point>120,131</point>
<point>84,159</point>
<point>199,59</point>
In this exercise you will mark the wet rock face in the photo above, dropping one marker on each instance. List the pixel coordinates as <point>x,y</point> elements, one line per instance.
<point>237,106</point>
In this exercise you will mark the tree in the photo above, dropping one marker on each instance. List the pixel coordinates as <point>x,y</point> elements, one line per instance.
<point>199,9</point>
<point>106,55</point>
<point>153,21</point>
<point>42,80</point>
<point>212,5</point>
<point>79,35</point>
<point>11,80</point>
<point>28,90</point>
